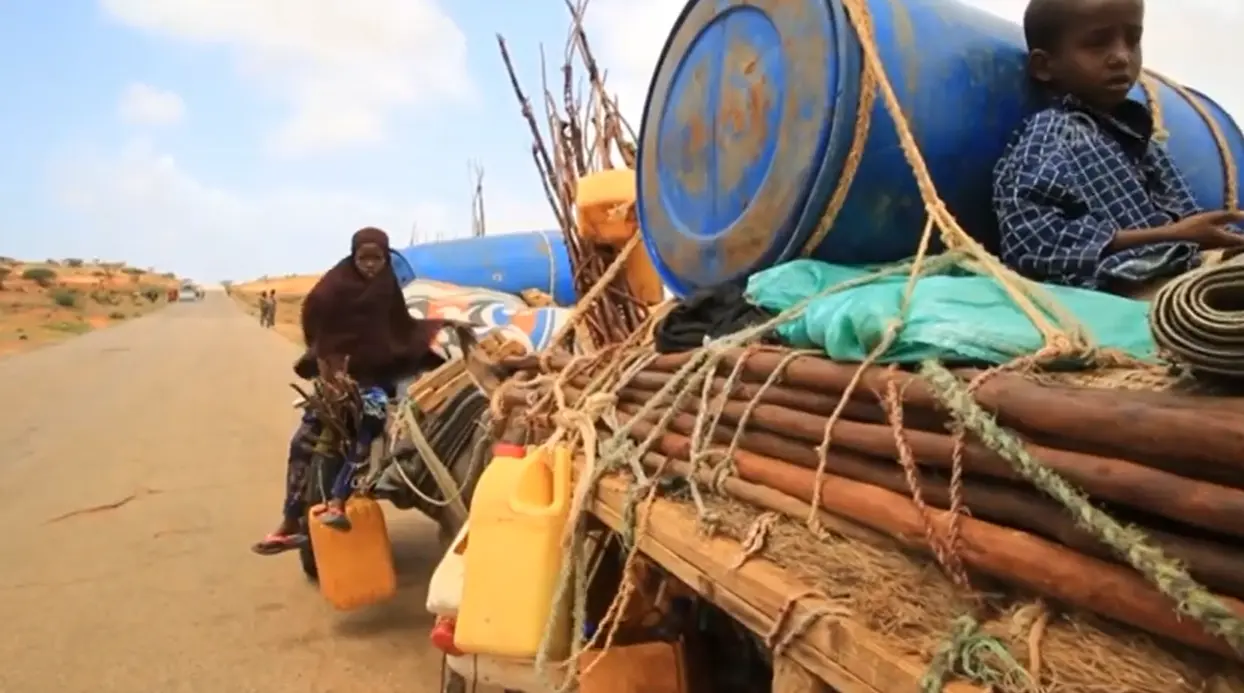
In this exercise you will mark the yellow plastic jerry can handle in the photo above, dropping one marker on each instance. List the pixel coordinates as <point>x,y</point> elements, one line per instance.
<point>537,470</point>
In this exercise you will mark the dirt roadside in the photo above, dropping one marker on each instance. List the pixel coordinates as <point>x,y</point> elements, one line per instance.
<point>139,465</point>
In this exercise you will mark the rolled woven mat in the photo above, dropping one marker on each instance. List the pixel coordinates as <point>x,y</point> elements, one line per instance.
<point>1199,319</point>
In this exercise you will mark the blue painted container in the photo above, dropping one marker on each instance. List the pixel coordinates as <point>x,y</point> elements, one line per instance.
<point>750,117</point>
<point>508,262</point>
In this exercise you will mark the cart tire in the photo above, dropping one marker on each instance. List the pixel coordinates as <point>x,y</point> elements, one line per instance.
<point>320,478</point>
<point>306,556</point>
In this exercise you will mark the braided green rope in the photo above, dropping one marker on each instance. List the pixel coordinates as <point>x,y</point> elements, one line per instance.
<point>967,653</point>
<point>576,575</point>
<point>630,512</point>
<point>1129,543</point>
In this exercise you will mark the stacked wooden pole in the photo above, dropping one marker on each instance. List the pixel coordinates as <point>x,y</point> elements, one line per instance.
<point>1169,464</point>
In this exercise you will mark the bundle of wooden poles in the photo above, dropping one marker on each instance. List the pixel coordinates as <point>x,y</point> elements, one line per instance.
<point>581,136</point>
<point>1166,463</point>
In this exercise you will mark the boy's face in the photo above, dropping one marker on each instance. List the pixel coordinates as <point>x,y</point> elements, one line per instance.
<point>1098,57</point>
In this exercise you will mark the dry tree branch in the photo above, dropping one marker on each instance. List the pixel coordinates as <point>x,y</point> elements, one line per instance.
<point>545,176</point>
<point>539,148</point>
<point>583,130</point>
<point>478,228</point>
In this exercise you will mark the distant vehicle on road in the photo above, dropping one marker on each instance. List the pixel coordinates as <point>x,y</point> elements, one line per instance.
<point>188,293</point>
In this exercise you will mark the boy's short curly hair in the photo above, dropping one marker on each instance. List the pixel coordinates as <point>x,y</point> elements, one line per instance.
<point>1045,22</point>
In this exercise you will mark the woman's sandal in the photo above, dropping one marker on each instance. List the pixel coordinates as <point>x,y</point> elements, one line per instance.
<point>334,518</point>
<point>275,543</point>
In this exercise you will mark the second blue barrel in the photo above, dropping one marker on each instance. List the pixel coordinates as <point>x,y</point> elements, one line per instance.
<point>750,115</point>
<point>507,262</point>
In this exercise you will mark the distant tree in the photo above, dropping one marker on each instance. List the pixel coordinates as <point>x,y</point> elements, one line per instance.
<point>43,276</point>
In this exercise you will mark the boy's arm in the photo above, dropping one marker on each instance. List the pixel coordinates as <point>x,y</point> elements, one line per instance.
<point>1046,229</point>
<point>1170,188</point>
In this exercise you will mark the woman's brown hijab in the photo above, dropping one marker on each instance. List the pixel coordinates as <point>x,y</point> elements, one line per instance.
<point>362,323</point>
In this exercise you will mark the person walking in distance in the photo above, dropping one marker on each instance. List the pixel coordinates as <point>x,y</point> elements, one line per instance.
<point>272,308</point>
<point>266,307</point>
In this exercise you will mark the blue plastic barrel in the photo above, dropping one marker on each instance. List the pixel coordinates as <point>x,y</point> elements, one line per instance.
<point>750,116</point>
<point>508,262</point>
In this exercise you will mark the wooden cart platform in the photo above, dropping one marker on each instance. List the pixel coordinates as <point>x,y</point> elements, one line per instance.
<point>833,651</point>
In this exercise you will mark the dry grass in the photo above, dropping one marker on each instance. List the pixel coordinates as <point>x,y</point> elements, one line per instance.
<point>909,603</point>
<point>289,285</point>
<point>46,302</point>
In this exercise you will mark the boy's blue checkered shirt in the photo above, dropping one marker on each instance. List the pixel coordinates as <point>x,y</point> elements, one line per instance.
<point>1073,177</point>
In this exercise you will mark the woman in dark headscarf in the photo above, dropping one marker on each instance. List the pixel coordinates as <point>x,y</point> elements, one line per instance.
<point>354,321</point>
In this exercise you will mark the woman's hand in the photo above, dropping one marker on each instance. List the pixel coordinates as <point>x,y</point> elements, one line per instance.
<point>465,333</point>
<point>306,367</point>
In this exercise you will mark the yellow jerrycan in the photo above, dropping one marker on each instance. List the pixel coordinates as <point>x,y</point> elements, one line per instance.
<point>605,201</point>
<point>518,514</point>
<point>355,567</point>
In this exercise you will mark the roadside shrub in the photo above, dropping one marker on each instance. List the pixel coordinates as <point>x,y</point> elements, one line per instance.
<point>43,276</point>
<point>117,315</point>
<point>73,262</point>
<point>107,298</point>
<point>4,274</point>
<point>152,294</point>
<point>65,298</point>
<point>133,271</point>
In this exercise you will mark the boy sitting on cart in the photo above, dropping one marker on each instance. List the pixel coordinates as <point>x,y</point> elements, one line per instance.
<point>1084,194</point>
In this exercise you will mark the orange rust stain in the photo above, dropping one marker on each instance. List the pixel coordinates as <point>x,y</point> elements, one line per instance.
<point>697,136</point>
<point>753,232</point>
<point>694,132</point>
<point>746,96</point>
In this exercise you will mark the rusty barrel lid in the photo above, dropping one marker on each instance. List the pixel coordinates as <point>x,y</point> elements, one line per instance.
<point>749,104</point>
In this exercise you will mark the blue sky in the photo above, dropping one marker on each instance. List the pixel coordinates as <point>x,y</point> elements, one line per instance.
<point>230,139</point>
<point>223,143</point>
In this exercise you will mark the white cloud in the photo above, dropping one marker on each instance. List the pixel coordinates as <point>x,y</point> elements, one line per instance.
<point>141,206</point>
<point>143,104</point>
<point>630,56</point>
<point>343,65</point>
<point>506,212</point>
